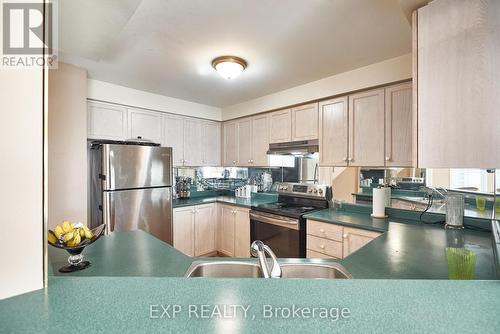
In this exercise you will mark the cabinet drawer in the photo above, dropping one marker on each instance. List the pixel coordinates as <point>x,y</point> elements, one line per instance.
<point>324,230</point>
<point>325,246</point>
<point>315,255</point>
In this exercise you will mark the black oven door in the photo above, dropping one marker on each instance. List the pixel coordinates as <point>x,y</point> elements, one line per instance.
<point>285,236</point>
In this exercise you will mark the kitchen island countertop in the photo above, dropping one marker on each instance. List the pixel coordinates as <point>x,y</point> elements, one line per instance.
<point>408,249</point>
<point>111,296</point>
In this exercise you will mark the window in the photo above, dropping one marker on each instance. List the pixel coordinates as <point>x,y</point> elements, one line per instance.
<point>468,179</point>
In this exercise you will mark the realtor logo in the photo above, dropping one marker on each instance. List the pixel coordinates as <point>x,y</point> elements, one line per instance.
<point>23,42</point>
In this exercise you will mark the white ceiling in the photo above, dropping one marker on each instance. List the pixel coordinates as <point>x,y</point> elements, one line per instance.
<point>166,46</point>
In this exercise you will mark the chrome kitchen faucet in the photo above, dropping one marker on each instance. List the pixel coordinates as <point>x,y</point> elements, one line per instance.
<point>259,250</point>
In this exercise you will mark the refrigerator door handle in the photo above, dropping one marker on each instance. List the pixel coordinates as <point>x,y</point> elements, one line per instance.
<point>108,217</point>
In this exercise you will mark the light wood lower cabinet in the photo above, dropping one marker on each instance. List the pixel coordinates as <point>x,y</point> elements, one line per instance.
<point>194,229</point>
<point>315,255</point>
<point>234,231</point>
<point>242,233</point>
<point>325,240</point>
<point>355,238</point>
<point>226,230</point>
<point>205,229</point>
<point>183,229</point>
<point>209,228</point>
<point>325,246</point>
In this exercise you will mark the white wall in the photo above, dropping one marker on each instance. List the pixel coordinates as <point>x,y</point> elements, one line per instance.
<point>21,191</point>
<point>107,92</point>
<point>67,145</point>
<point>391,70</point>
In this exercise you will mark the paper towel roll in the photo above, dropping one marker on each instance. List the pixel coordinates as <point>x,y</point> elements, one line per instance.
<point>379,202</point>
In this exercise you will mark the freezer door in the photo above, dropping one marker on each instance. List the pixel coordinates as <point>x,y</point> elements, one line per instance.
<point>147,209</point>
<point>134,166</point>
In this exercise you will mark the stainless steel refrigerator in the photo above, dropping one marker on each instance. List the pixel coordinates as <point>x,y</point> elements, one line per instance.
<point>130,187</point>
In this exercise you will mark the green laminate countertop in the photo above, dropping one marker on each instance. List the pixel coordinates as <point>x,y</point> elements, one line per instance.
<point>238,201</point>
<point>408,249</point>
<point>133,253</point>
<point>439,207</point>
<point>123,305</point>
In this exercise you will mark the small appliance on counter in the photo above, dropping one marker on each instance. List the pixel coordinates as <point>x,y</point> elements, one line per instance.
<point>183,186</point>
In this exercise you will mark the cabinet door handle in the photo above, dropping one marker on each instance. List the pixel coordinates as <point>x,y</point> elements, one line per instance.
<point>346,236</point>
<point>322,230</point>
<point>322,246</point>
<point>344,159</point>
<point>387,158</point>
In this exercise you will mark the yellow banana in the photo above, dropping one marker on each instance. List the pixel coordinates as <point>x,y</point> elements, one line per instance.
<point>76,239</point>
<point>67,236</point>
<point>82,232</point>
<point>58,231</point>
<point>51,238</point>
<point>67,226</point>
<point>88,232</point>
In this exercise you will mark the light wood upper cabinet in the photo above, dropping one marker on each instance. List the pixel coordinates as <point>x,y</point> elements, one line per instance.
<point>211,143</point>
<point>205,229</point>
<point>230,142</point>
<point>366,128</point>
<point>242,233</point>
<point>193,143</point>
<point>226,229</point>
<point>458,84</point>
<point>106,121</point>
<point>354,239</point>
<point>280,124</point>
<point>260,140</point>
<point>398,126</point>
<point>333,132</point>
<point>305,122</point>
<point>183,229</point>
<point>244,135</point>
<point>173,136</point>
<point>145,125</point>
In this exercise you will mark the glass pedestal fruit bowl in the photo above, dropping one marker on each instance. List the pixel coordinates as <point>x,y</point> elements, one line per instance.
<point>75,259</point>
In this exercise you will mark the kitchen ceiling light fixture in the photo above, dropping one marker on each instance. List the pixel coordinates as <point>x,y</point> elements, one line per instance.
<point>229,67</point>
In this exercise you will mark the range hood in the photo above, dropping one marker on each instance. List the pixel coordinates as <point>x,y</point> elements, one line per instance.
<point>300,148</point>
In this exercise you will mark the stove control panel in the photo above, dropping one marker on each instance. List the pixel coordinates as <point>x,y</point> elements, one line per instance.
<point>304,190</point>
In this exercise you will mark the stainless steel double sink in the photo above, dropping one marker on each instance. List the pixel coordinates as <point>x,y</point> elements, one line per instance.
<point>250,269</point>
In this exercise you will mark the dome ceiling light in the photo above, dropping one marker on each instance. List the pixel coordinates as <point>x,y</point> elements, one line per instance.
<point>229,67</point>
